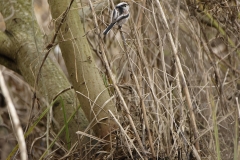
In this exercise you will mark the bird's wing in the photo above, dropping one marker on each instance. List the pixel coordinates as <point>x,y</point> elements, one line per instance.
<point>121,17</point>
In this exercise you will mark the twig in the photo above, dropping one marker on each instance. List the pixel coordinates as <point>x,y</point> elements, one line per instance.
<point>185,87</point>
<point>46,55</point>
<point>124,133</point>
<point>15,120</point>
<point>65,90</point>
<point>64,16</point>
<point>115,84</point>
<point>123,38</point>
<point>143,107</point>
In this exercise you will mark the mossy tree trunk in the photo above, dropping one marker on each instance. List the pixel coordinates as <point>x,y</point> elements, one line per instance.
<point>22,49</point>
<point>84,75</point>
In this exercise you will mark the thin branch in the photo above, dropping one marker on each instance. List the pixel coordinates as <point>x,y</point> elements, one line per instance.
<point>112,76</point>
<point>14,117</point>
<point>179,66</point>
<point>143,107</point>
<point>51,44</point>
<point>49,47</point>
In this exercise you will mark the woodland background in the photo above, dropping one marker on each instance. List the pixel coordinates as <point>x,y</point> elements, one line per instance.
<point>165,86</point>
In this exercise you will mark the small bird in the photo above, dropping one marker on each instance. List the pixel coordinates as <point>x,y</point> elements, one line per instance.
<point>120,16</point>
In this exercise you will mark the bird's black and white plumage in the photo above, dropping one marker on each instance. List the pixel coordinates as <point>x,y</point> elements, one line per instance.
<point>120,16</point>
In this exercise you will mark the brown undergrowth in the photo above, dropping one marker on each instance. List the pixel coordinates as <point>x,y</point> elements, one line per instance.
<point>178,75</point>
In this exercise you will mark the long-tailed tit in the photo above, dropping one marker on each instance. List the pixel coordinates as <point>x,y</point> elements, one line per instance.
<point>120,16</point>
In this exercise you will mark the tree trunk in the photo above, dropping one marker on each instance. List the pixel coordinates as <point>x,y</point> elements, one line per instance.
<point>22,49</point>
<point>84,75</point>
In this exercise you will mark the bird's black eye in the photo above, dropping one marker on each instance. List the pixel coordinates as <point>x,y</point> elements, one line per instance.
<point>124,5</point>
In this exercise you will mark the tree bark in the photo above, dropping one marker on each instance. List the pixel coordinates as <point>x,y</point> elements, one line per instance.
<point>22,45</point>
<point>83,73</point>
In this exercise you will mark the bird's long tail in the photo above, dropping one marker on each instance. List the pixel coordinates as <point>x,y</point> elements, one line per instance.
<point>108,28</point>
<point>113,23</point>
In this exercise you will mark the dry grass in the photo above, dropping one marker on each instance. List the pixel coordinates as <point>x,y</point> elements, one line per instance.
<point>149,76</point>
